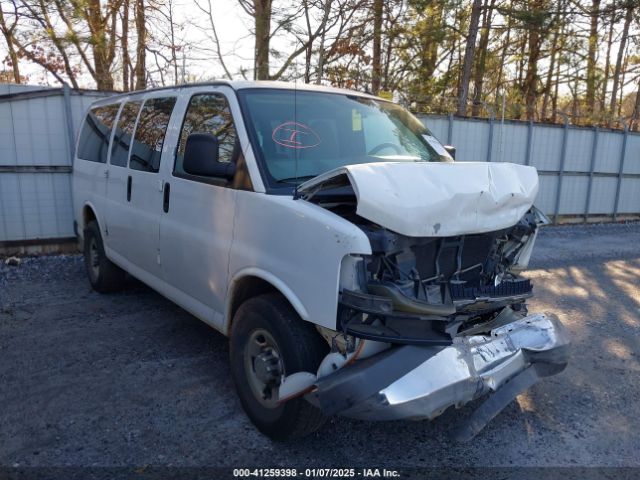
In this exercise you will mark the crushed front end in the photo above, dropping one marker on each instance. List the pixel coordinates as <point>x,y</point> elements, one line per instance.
<point>427,291</point>
<point>426,322</point>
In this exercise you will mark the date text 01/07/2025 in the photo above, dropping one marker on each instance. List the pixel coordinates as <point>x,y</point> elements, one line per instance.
<point>315,473</point>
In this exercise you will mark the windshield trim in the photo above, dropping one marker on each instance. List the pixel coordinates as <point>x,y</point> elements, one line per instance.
<point>271,184</point>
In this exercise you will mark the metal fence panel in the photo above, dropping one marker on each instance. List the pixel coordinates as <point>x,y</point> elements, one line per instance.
<point>510,143</point>
<point>629,195</point>
<point>582,170</point>
<point>545,200</point>
<point>438,126</point>
<point>546,147</point>
<point>632,165</point>
<point>35,160</point>
<point>603,195</point>
<point>35,206</point>
<point>573,198</point>
<point>471,139</point>
<point>608,152</point>
<point>579,144</point>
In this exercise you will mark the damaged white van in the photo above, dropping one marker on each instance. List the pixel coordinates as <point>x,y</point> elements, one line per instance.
<point>356,268</point>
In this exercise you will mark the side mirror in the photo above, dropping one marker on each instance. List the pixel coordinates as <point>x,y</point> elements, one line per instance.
<point>451,150</point>
<point>201,157</point>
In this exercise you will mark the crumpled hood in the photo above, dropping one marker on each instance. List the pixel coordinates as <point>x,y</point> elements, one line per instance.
<point>433,199</point>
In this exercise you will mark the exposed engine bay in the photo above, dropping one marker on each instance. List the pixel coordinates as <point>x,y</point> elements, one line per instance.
<point>427,290</point>
<point>436,315</point>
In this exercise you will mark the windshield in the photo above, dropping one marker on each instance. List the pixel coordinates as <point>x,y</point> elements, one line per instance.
<point>298,135</point>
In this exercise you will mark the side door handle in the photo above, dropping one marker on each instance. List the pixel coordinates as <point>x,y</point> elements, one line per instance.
<point>165,197</point>
<point>129,181</point>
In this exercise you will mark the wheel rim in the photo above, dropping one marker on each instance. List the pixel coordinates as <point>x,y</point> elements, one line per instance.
<point>94,258</point>
<point>264,367</point>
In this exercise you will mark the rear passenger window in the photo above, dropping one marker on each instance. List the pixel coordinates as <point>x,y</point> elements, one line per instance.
<point>124,132</point>
<point>93,144</point>
<point>149,136</point>
<point>208,113</point>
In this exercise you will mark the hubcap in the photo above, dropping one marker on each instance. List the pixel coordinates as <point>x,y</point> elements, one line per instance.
<point>263,366</point>
<point>94,258</point>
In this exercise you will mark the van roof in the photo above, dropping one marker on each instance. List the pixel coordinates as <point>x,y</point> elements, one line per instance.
<point>240,85</point>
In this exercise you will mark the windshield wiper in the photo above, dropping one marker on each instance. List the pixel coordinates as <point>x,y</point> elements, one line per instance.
<point>299,179</point>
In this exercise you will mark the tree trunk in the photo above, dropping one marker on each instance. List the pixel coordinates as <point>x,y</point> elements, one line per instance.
<point>623,45</point>
<point>321,54</point>
<point>607,65</point>
<point>478,82</point>
<point>141,47</point>
<point>7,32</point>
<point>556,46</point>
<point>591,57</point>
<point>625,64</point>
<point>377,46</point>
<point>636,110</point>
<point>262,12</point>
<point>503,55</point>
<point>530,83</point>
<point>124,44</point>
<point>463,88</point>
<point>174,57</point>
<point>99,45</point>
<point>556,88</point>
<point>547,87</point>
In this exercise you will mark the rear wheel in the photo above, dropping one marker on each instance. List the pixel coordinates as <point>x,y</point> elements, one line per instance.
<point>103,274</point>
<point>268,340</point>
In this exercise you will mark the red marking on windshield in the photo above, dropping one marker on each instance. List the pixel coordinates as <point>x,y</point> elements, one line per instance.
<point>295,135</point>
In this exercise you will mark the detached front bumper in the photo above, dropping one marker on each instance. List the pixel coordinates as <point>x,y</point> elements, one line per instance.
<point>422,381</point>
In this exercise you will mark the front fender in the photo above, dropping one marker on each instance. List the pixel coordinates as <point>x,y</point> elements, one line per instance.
<point>296,246</point>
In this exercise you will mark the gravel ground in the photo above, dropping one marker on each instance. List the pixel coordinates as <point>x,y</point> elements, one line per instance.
<point>130,379</point>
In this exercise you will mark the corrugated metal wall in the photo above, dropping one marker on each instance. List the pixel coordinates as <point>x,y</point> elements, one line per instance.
<point>37,130</point>
<point>583,171</point>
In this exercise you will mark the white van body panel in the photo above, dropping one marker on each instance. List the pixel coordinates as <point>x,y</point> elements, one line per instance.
<point>299,244</point>
<point>89,188</point>
<point>421,199</point>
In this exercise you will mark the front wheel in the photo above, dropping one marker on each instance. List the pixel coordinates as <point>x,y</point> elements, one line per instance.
<point>268,340</point>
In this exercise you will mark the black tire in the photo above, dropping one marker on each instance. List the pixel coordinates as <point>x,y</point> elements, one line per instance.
<point>300,347</point>
<point>104,276</point>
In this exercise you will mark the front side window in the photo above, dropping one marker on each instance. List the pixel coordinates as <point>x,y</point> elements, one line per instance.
<point>301,134</point>
<point>149,136</point>
<point>93,144</point>
<point>124,132</point>
<point>208,113</point>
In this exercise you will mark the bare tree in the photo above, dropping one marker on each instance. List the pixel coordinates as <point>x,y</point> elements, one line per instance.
<point>141,48</point>
<point>629,8</point>
<point>8,29</point>
<point>463,88</point>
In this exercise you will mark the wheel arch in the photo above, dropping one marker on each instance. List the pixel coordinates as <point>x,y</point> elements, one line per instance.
<point>89,213</point>
<point>251,282</point>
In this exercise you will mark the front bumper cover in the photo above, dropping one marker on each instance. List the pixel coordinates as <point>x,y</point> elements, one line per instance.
<point>422,381</point>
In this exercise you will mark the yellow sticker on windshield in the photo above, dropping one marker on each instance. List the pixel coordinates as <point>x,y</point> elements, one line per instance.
<point>356,121</point>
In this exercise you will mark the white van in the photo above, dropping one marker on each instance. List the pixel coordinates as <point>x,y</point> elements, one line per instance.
<point>356,268</point>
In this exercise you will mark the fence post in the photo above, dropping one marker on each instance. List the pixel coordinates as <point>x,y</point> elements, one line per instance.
<point>450,130</point>
<point>563,155</point>
<point>620,170</point>
<point>592,166</point>
<point>490,142</point>
<point>66,92</point>
<point>527,159</point>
